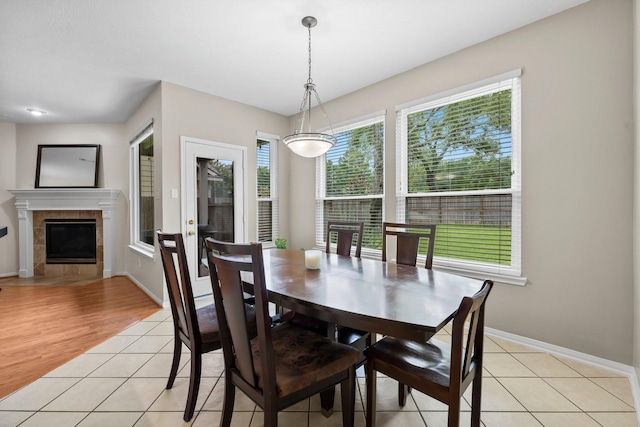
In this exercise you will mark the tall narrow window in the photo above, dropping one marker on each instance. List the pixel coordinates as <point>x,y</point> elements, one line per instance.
<point>142,191</point>
<point>459,164</point>
<point>350,180</point>
<point>267,186</point>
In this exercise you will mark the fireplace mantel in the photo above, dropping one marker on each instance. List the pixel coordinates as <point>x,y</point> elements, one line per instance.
<point>35,199</point>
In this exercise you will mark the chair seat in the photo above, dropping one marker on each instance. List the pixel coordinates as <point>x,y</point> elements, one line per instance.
<point>430,360</point>
<point>208,323</point>
<point>303,358</point>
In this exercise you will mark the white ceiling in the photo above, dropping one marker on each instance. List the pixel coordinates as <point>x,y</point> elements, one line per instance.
<point>95,61</point>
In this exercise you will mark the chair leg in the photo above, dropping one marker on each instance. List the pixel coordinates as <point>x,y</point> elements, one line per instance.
<point>476,399</point>
<point>454,413</point>
<point>370,375</point>
<point>194,385</point>
<point>348,392</point>
<point>270,417</point>
<point>177,351</point>
<point>403,391</point>
<point>227,405</point>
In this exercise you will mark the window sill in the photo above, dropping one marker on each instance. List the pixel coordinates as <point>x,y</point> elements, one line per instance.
<point>149,253</point>
<point>502,278</point>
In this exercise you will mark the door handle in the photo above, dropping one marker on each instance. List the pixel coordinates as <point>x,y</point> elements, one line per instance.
<point>191,232</point>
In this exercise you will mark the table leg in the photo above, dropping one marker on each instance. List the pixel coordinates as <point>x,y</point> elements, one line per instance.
<point>326,401</point>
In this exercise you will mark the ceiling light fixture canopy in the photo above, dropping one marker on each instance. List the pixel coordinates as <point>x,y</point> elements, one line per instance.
<point>36,112</point>
<point>304,142</point>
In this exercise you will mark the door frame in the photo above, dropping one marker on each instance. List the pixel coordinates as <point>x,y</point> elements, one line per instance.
<point>240,224</point>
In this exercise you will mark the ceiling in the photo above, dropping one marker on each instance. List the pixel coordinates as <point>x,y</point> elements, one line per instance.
<point>95,61</point>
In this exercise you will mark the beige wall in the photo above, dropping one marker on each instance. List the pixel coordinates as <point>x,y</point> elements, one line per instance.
<point>577,184</point>
<point>636,188</point>
<point>8,214</point>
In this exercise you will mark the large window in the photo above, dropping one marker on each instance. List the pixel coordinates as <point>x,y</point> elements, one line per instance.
<point>267,187</point>
<point>142,191</point>
<point>350,180</point>
<point>459,164</point>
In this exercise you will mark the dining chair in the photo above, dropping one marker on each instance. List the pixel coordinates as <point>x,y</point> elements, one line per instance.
<point>284,364</point>
<point>198,328</point>
<point>344,232</point>
<point>408,239</point>
<point>438,369</point>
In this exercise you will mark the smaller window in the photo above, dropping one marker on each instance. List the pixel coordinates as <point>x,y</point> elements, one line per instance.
<point>267,186</point>
<point>142,192</point>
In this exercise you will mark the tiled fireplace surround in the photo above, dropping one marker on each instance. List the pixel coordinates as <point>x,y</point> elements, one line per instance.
<point>41,268</point>
<point>36,205</point>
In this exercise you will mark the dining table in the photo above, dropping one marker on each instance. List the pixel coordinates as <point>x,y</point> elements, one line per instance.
<point>399,300</point>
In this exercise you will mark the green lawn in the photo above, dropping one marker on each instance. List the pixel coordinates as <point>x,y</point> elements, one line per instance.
<point>474,242</point>
<point>467,242</point>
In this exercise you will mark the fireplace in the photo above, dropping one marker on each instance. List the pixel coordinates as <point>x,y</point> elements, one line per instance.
<point>34,206</point>
<point>70,241</point>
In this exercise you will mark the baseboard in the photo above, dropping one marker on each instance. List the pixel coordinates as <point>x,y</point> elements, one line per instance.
<point>585,358</point>
<point>145,290</point>
<point>14,274</point>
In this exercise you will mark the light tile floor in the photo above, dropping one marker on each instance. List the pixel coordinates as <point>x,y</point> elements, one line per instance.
<point>121,382</point>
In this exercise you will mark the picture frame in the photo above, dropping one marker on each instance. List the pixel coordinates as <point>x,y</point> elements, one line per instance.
<point>68,166</point>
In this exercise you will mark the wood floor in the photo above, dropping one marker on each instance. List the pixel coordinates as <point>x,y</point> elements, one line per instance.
<point>44,323</point>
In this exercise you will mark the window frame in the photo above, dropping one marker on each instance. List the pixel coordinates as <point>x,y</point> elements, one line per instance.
<point>273,141</point>
<point>134,195</point>
<point>321,172</point>
<point>507,274</point>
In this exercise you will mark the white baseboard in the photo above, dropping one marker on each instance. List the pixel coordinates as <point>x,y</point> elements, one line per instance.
<point>8,274</point>
<point>587,359</point>
<point>145,290</point>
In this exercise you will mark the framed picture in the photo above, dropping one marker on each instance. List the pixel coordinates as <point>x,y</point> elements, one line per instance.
<point>67,166</point>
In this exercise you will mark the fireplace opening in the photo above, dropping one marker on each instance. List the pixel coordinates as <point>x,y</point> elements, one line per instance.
<point>70,241</point>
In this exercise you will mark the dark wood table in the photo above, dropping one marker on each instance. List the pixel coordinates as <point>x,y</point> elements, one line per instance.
<point>386,298</point>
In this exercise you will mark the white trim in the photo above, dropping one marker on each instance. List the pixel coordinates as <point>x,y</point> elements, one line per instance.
<point>147,291</point>
<point>362,121</point>
<point>585,358</point>
<point>497,276</point>
<point>143,249</point>
<point>464,88</point>
<point>144,132</point>
<point>15,273</point>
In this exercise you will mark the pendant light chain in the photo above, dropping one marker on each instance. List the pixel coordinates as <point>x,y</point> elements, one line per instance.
<point>309,80</point>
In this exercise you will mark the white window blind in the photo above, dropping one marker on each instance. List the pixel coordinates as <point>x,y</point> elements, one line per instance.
<point>267,186</point>
<point>350,180</point>
<point>459,165</point>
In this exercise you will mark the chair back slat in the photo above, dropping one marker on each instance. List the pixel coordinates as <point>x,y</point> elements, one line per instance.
<point>178,281</point>
<point>345,231</point>
<point>408,238</point>
<point>235,316</point>
<point>226,263</point>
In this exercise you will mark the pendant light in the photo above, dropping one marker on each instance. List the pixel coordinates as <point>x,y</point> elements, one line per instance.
<point>304,142</point>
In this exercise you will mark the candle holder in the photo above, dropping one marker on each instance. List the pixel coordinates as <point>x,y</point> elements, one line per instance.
<point>312,259</point>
